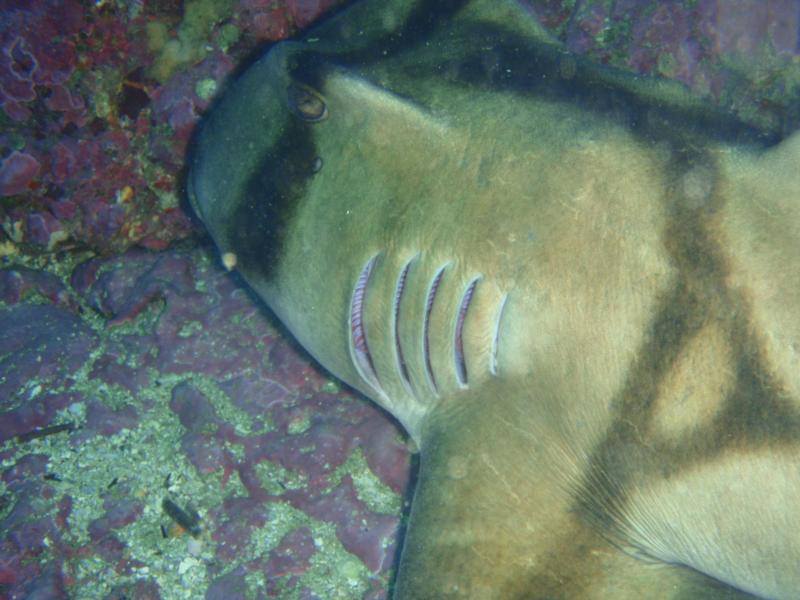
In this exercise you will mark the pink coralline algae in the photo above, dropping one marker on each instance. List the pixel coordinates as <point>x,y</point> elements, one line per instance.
<point>101,101</point>
<point>740,56</point>
<point>36,49</point>
<point>17,171</point>
<point>124,384</point>
<point>268,20</point>
<point>59,64</point>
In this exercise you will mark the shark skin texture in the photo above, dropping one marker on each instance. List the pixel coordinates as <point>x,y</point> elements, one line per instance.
<point>576,290</point>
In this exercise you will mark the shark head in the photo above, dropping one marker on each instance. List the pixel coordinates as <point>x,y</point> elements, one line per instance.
<point>335,179</point>
<point>557,279</point>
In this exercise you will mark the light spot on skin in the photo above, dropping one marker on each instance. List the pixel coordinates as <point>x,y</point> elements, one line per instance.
<point>697,186</point>
<point>229,261</point>
<point>457,467</point>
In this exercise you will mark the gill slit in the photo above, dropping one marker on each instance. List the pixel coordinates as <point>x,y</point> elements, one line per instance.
<point>458,336</point>
<point>426,346</point>
<point>402,367</point>
<point>359,348</point>
<point>496,337</point>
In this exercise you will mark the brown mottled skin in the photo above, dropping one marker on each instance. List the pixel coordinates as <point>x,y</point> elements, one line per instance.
<point>629,426</point>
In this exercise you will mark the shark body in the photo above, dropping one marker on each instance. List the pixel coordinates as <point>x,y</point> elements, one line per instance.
<point>578,293</point>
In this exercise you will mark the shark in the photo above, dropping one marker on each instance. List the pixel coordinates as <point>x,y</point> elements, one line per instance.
<point>578,291</point>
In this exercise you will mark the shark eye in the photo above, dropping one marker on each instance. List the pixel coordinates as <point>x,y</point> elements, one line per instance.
<point>305,103</point>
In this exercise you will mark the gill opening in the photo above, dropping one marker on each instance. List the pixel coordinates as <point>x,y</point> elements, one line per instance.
<point>458,337</point>
<point>496,336</point>
<point>400,287</point>
<point>426,346</point>
<point>359,347</point>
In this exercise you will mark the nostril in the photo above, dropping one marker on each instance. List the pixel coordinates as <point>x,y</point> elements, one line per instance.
<point>306,103</point>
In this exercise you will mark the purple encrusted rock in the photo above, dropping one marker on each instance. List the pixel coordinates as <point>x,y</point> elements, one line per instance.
<point>17,171</point>
<point>21,283</point>
<point>40,343</point>
<point>365,534</point>
<point>137,590</point>
<point>104,420</point>
<point>119,512</point>
<point>292,555</point>
<point>230,586</point>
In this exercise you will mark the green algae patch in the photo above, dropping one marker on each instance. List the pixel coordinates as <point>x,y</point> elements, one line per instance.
<point>7,500</point>
<point>331,387</point>
<point>205,88</point>
<point>333,572</point>
<point>276,480</point>
<point>229,34</point>
<point>133,469</point>
<point>190,328</point>
<point>191,43</point>
<point>136,468</point>
<point>243,424</point>
<point>300,424</point>
<point>145,321</point>
<point>376,495</point>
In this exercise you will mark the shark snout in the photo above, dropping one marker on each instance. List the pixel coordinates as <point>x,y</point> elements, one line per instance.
<point>254,153</point>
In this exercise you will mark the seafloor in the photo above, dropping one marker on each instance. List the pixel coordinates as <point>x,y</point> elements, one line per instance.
<point>160,436</point>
